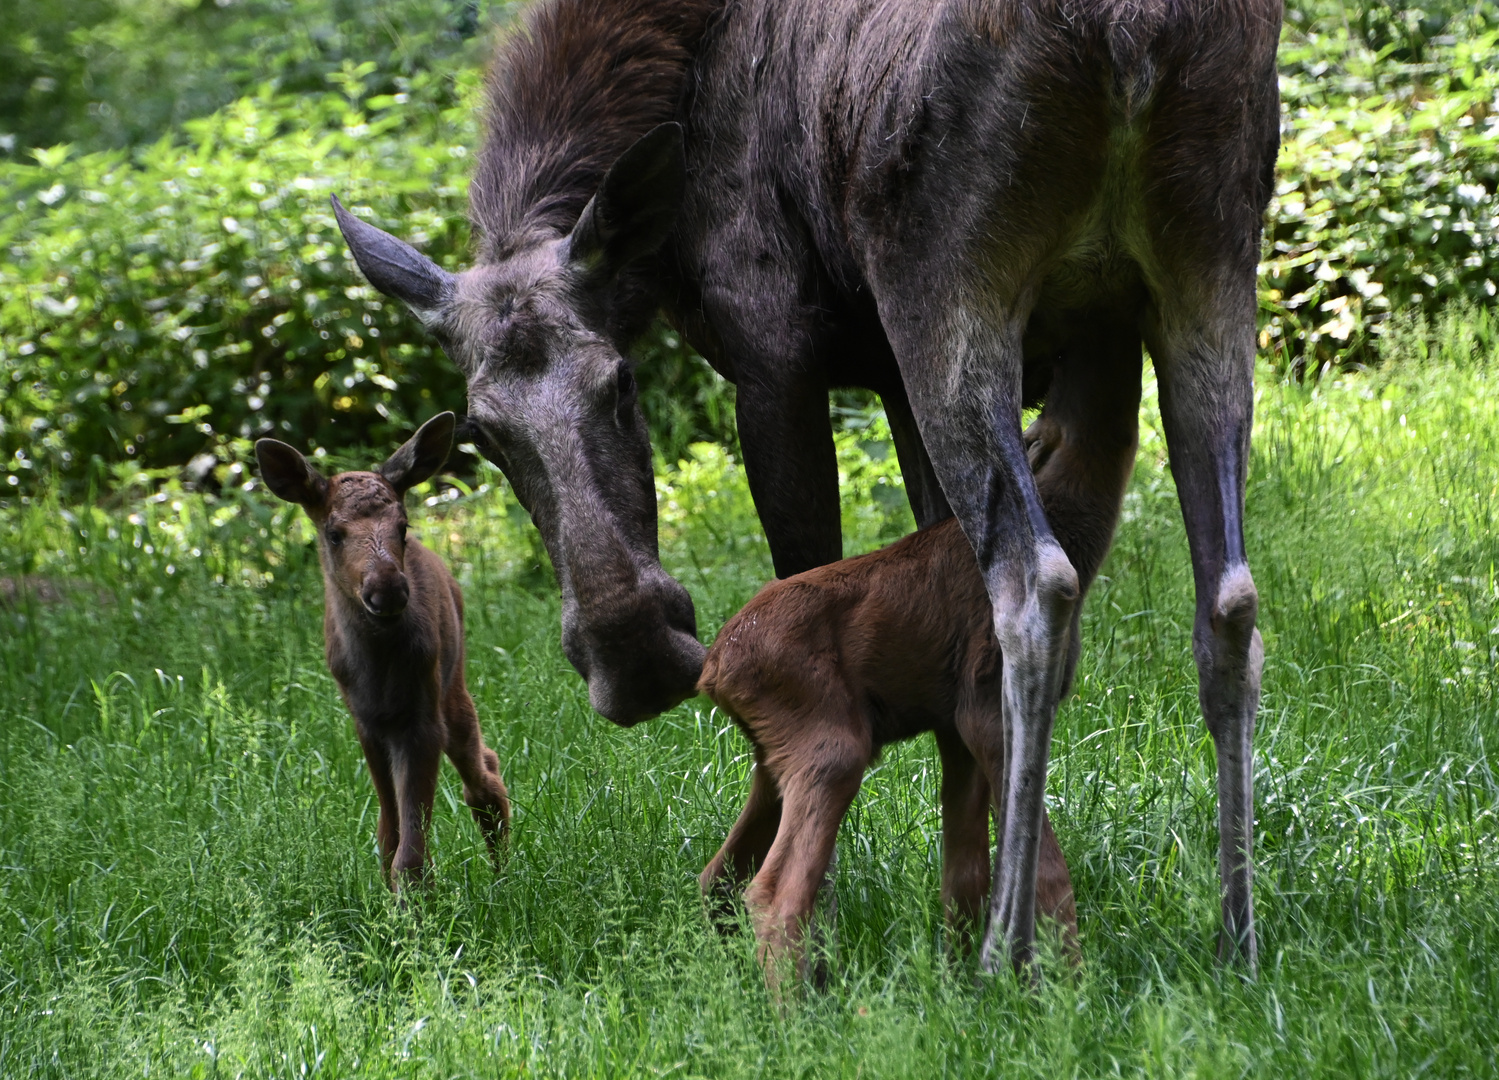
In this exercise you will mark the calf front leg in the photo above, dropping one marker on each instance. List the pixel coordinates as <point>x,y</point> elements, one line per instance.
<point>965,846</point>
<point>414,763</point>
<point>1054,897</point>
<point>965,841</point>
<point>388,827</point>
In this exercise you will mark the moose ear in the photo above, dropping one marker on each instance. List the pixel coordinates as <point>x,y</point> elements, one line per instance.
<point>286,472</point>
<point>636,205</point>
<point>421,455</point>
<point>395,267</point>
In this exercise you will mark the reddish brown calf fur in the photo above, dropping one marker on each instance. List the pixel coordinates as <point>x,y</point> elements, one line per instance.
<point>823,669</point>
<point>393,628</point>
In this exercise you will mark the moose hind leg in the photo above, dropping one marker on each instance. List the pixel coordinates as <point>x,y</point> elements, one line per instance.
<point>1203,344</point>
<point>963,374</point>
<point>928,504</point>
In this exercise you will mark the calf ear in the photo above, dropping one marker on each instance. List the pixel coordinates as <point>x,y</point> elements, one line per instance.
<point>635,207</point>
<point>421,455</point>
<point>286,472</point>
<point>395,267</point>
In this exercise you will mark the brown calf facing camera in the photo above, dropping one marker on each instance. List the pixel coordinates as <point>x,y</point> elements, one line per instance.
<point>820,671</point>
<point>393,631</point>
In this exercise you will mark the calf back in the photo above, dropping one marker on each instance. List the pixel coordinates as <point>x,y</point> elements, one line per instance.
<point>902,631</point>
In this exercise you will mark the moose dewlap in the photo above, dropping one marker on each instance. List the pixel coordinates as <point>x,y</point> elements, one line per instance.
<point>393,630</point>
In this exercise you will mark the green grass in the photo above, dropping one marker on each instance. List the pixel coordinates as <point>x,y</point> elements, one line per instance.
<point>188,883</point>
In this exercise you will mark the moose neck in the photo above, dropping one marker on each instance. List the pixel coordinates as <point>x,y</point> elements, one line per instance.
<point>568,94</point>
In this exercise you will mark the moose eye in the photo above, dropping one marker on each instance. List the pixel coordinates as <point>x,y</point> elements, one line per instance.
<point>626,383</point>
<point>335,537</point>
<point>401,531</point>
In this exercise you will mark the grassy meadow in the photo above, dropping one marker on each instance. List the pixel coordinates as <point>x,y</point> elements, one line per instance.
<point>189,885</point>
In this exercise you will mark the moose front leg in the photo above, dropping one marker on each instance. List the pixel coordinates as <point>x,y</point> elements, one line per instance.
<point>787,442</point>
<point>963,375</point>
<point>1204,356</point>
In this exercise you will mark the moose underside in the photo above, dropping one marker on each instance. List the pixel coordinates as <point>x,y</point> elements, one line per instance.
<point>965,205</point>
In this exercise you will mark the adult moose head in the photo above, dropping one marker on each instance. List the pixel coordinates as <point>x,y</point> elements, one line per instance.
<point>553,397</point>
<point>968,206</point>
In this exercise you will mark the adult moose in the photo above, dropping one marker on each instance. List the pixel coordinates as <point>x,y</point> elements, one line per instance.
<point>969,206</point>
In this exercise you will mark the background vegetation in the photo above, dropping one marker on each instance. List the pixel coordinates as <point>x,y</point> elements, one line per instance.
<point>188,883</point>
<point>172,283</point>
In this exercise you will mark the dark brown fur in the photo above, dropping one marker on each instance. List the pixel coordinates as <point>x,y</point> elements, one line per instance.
<point>393,631</point>
<point>968,206</point>
<point>822,670</point>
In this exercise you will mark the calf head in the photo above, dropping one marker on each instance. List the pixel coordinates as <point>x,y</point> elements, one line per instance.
<point>361,516</point>
<point>537,331</point>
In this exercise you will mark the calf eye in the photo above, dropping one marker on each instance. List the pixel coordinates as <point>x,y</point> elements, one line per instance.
<point>335,537</point>
<point>401,530</point>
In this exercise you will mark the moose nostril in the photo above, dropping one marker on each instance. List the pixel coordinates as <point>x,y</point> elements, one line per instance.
<point>384,601</point>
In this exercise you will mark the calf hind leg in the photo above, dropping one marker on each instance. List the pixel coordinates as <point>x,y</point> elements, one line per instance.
<point>783,895</point>
<point>744,849</point>
<point>483,789</point>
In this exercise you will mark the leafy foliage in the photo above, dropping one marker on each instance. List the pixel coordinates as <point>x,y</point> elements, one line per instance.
<point>110,73</point>
<point>180,300</point>
<point>162,305</point>
<point>1389,168</point>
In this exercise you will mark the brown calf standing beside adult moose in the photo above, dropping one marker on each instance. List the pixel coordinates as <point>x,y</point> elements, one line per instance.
<point>393,632</point>
<point>970,207</point>
<point>822,670</point>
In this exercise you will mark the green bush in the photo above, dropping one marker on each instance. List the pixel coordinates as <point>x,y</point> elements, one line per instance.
<point>1385,202</point>
<point>112,73</point>
<point>167,304</point>
<point>197,293</point>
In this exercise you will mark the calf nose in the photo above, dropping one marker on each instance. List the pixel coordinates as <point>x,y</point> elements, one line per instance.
<point>386,598</point>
